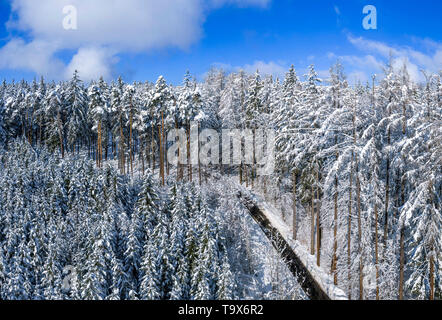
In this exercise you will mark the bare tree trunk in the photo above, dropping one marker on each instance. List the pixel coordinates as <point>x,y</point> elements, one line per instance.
<point>199,162</point>
<point>113,146</point>
<point>318,220</point>
<point>253,162</point>
<point>121,151</point>
<point>40,131</point>
<point>160,129</point>
<point>404,122</point>
<point>99,144</point>
<point>431,278</point>
<point>165,152</point>
<point>147,152</point>
<point>432,249</point>
<point>387,199</point>
<point>334,265</point>
<point>189,164</point>
<point>387,196</point>
<point>312,223</point>
<point>361,262</point>
<point>60,133</point>
<point>401,267</point>
<point>142,154</point>
<point>246,176</point>
<point>295,218</point>
<point>335,235</point>
<point>106,143</point>
<point>179,175</point>
<point>130,142</point>
<point>152,149</point>
<point>376,249</point>
<point>402,245</point>
<point>349,228</point>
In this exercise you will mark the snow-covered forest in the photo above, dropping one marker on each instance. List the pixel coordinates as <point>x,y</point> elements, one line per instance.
<point>86,184</point>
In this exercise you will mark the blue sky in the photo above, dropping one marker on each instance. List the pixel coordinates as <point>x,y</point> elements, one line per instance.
<point>168,39</point>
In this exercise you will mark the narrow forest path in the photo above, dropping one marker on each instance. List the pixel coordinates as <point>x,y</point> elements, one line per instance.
<point>315,282</point>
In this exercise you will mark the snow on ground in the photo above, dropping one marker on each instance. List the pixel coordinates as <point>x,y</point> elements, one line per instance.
<point>324,280</point>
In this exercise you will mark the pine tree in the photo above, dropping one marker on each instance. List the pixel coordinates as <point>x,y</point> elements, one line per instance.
<point>76,104</point>
<point>97,115</point>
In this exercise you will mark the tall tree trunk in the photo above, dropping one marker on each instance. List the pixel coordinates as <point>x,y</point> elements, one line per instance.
<point>246,175</point>
<point>40,131</point>
<point>199,161</point>
<point>142,154</point>
<point>253,162</point>
<point>387,196</point>
<point>130,141</point>
<point>401,267</point>
<point>189,164</point>
<point>106,144</point>
<point>360,244</point>
<point>295,218</point>
<point>166,161</point>
<point>312,222</point>
<point>350,205</point>
<point>99,145</point>
<point>179,164</point>
<point>432,246</point>
<point>152,147</point>
<point>161,128</point>
<point>121,151</point>
<point>431,278</point>
<point>402,245</point>
<point>318,220</point>
<point>60,133</point>
<point>376,249</point>
<point>335,234</point>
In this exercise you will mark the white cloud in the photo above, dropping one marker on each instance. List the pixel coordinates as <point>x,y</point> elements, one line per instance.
<point>92,63</point>
<point>358,76</point>
<point>241,3</point>
<point>373,46</point>
<point>36,56</point>
<point>338,12</point>
<point>121,24</point>
<point>378,53</point>
<point>266,68</point>
<point>112,26</point>
<point>276,69</point>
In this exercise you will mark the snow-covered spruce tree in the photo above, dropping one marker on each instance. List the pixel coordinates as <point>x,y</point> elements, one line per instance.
<point>156,262</point>
<point>180,220</point>
<point>107,119</point>
<point>97,115</point>
<point>76,104</point>
<point>189,109</point>
<point>118,122</point>
<point>142,123</point>
<point>159,104</point>
<point>55,116</point>
<point>362,157</point>
<point>94,281</point>
<point>203,282</point>
<point>130,112</point>
<point>421,214</point>
<point>2,124</point>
